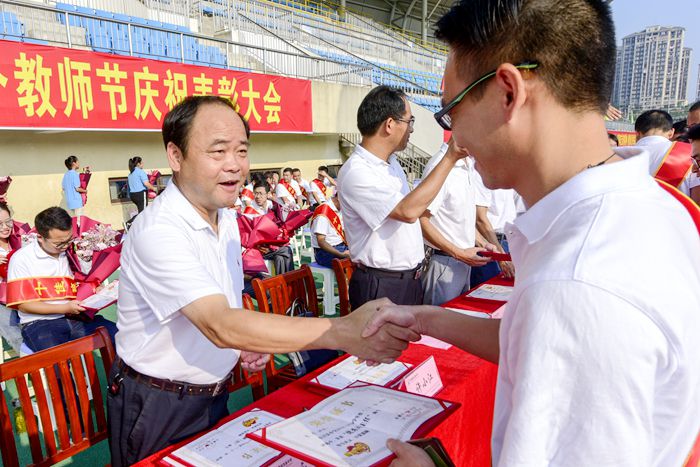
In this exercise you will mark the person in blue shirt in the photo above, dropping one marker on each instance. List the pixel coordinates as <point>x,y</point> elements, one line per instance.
<point>138,183</point>
<point>71,187</point>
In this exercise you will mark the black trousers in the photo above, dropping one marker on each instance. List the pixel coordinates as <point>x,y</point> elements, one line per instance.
<point>143,420</point>
<point>283,258</point>
<point>140,199</point>
<point>369,284</point>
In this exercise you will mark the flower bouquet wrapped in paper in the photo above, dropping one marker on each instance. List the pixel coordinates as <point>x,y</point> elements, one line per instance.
<point>153,180</point>
<point>294,220</point>
<point>84,180</point>
<point>255,232</point>
<point>4,186</point>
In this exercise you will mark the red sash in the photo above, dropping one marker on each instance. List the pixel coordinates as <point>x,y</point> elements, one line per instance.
<point>247,195</point>
<point>304,194</point>
<point>39,289</point>
<point>675,165</point>
<point>326,211</point>
<point>251,211</point>
<point>289,188</point>
<point>320,186</point>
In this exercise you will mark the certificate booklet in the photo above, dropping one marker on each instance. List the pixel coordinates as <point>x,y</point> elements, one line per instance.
<point>351,427</point>
<point>499,293</point>
<point>227,445</point>
<point>102,299</point>
<point>351,369</point>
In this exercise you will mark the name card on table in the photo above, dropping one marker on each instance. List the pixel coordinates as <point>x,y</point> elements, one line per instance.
<point>424,379</point>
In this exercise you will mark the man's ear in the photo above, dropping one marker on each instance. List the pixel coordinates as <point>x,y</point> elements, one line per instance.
<point>511,82</point>
<point>671,133</point>
<point>174,155</point>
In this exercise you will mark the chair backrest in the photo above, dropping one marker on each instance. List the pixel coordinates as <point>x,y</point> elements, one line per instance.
<point>248,302</point>
<point>69,370</point>
<point>343,269</point>
<point>275,294</point>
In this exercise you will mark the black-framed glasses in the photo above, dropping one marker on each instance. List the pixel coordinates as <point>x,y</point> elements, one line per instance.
<point>61,245</point>
<point>410,122</point>
<point>443,115</point>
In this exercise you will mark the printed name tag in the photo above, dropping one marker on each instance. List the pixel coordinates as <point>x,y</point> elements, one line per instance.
<point>424,379</point>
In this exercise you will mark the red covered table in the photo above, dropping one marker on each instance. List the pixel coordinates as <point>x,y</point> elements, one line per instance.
<point>468,380</point>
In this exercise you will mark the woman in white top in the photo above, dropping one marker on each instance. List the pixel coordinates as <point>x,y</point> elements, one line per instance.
<point>9,320</point>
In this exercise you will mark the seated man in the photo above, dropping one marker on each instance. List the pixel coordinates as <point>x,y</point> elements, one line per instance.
<point>260,203</point>
<point>41,286</point>
<point>328,239</point>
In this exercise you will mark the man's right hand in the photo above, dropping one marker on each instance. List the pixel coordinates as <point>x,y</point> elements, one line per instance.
<point>387,340</point>
<point>454,152</point>
<point>471,257</point>
<point>74,308</point>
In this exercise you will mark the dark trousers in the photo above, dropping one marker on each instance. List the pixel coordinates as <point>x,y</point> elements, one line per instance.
<point>46,333</point>
<point>283,259</point>
<point>143,419</point>
<point>324,258</point>
<point>140,199</point>
<point>369,284</point>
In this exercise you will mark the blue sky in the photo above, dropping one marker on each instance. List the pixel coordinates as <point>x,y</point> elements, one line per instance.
<point>634,15</point>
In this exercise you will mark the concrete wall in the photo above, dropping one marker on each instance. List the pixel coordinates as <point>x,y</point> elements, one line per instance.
<point>34,159</point>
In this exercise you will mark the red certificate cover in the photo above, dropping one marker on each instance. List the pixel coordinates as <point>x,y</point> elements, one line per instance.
<point>351,427</point>
<point>496,256</point>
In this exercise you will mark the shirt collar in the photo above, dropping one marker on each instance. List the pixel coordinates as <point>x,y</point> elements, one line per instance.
<point>371,158</point>
<point>631,172</point>
<point>652,140</point>
<point>184,209</point>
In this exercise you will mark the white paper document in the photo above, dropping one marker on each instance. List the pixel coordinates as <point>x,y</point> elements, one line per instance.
<point>351,427</point>
<point>492,292</point>
<point>351,369</point>
<point>105,297</point>
<point>228,446</point>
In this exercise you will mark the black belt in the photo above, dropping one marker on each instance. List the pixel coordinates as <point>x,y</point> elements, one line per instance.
<point>409,273</point>
<point>441,253</point>
<point>181,388</point>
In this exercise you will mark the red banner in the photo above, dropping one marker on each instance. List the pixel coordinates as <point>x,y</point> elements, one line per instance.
<point>52,87</point>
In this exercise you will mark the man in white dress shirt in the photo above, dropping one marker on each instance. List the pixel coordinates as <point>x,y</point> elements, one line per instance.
<point>597,351</point>
<point>379,210</point>
<point>180,315</point>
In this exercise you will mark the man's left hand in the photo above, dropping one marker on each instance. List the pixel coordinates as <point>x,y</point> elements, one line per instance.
<point>408,455</point>
<point>253,361</point>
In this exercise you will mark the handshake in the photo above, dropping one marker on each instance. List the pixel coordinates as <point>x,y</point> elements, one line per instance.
<point>378,331</point>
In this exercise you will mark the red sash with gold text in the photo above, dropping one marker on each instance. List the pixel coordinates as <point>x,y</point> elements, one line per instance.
<point>251,211</point>
<point>304,193</point>
<point>675,165</point>
<point>289,188</point>
<point>247,195</point>
<point>326,211</point>
<point>320,186</point>
<point>39,289</point>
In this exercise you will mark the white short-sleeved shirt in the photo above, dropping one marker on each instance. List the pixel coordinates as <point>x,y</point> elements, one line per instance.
<point>260,209</point>
<point>283,196</point>
<point>33,261</point>
<point>315,189</point>
<point>369,190</point>
<point>657,147</point>
<point>453,211</point>
<point>172,257</point>
<point>305,185</point>
<point>321,225</point>
<point>502,205</point>
<point>599,342</point>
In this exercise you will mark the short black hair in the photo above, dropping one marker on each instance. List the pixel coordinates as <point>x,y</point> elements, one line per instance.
<point>70,160</point>
<point>322,167</point>
<point>379,104</point>
<point>296,169</point>
<point>263,185</point>
<point>287,169</point>
<point>694,132</point>
<point>52,218</point>
<point>178,122</point>
<point>653,120</point>
<point>694,107</point>
<point>613,137</point>
<point>573,41</point>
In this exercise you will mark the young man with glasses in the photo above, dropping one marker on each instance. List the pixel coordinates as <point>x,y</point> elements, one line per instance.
<point>40,285</point>
<point>597,352</point>
<point>379,210</point>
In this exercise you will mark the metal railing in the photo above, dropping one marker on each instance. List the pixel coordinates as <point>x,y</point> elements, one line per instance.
<point>412,159</point>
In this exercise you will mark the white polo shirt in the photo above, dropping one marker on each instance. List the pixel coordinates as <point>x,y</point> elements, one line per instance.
<point>453,211</point>
<point>321,225</point>
<point>502,204</point>
<point>657,147</point>
<point>172,257</point>
<point>315,189</point>
<point>369,190</point>
<point>283,196</point>
<point>599,343</point>
<point>33,261</point>
<point>305,185</point>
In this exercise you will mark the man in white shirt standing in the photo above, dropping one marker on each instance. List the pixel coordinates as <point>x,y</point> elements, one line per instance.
<point>449,228</point>
<point>668,161</point>
<point>597,352</point>
<point>180,315</point>
<point>379,210</point>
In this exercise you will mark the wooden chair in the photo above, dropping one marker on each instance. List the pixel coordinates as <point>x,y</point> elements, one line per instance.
<point>275,295</point>
<point>343,269</point>
<point>65,368</point>
<point>255,380</point>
